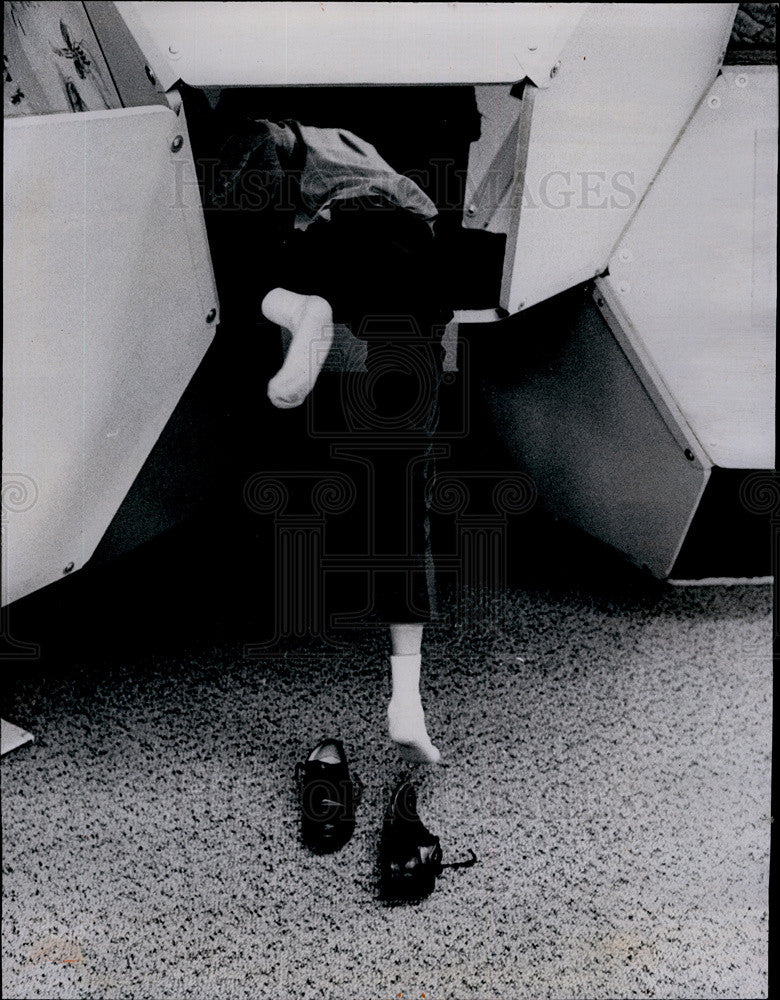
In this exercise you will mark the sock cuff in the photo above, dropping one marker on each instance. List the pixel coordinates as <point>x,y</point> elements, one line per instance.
<point>405,671</point>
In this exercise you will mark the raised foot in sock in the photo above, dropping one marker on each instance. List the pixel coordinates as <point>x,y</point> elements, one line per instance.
<point>310,322</point>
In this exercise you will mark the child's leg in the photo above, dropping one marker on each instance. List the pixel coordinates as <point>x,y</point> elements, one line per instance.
<point>406,720</point>
<point>310,321</point>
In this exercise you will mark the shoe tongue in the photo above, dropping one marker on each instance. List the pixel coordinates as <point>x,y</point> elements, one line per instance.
<point>328,753</point>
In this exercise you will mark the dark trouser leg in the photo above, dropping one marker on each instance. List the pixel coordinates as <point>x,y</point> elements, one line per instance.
<point>376,267</point>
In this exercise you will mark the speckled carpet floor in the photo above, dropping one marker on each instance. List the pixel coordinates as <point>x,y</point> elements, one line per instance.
<point>606,754</point>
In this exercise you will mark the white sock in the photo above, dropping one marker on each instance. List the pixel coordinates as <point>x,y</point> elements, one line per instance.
<point>405,716</point>
<point>310,322</point>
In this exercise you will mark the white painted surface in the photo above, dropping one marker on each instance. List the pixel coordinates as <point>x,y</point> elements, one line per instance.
<point>643,365</point>
<point>629,79</point>
<point>12,736</point>
<point>492,158</point>
<point>280,44</point>
<point>696,271</point>
<point>107,286</point>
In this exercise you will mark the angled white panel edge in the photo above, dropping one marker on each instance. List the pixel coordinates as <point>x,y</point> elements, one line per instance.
<point>108,296</point>
<point>304,43</point>
<point>629,79</point>
<point>695,272</point>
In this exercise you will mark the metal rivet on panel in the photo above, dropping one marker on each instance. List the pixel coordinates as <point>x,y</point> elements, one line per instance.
<point>150,74</point>
<point>689,454</point>
<point>211,315</point>
<point>554,70</point>
<point>69,568</point>
<point>177,143</point>
<point>714,101</point>
<point>741,80</point>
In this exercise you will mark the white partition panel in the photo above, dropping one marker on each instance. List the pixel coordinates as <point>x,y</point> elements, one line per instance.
<point>109,306</point>
<point>582,415</point>
<point>695,273</point>
<point>591,143</point>
<point>291,44</point>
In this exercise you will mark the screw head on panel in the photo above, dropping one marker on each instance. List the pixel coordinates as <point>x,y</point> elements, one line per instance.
<point>150,74</point>
<point>211,315</point>
<point>714,101</point>
<point>689,455</point>
<point>69,568</point>
<point>177,143</point>
<point>741,80</point>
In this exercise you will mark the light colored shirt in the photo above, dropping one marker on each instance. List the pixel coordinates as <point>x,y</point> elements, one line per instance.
<point>337,165</point>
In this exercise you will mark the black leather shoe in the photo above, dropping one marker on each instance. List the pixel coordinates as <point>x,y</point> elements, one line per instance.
<point>410,856</point>
<point>328,797</point>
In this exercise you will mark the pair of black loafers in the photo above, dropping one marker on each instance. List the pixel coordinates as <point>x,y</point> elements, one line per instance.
<point>410,856</point>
